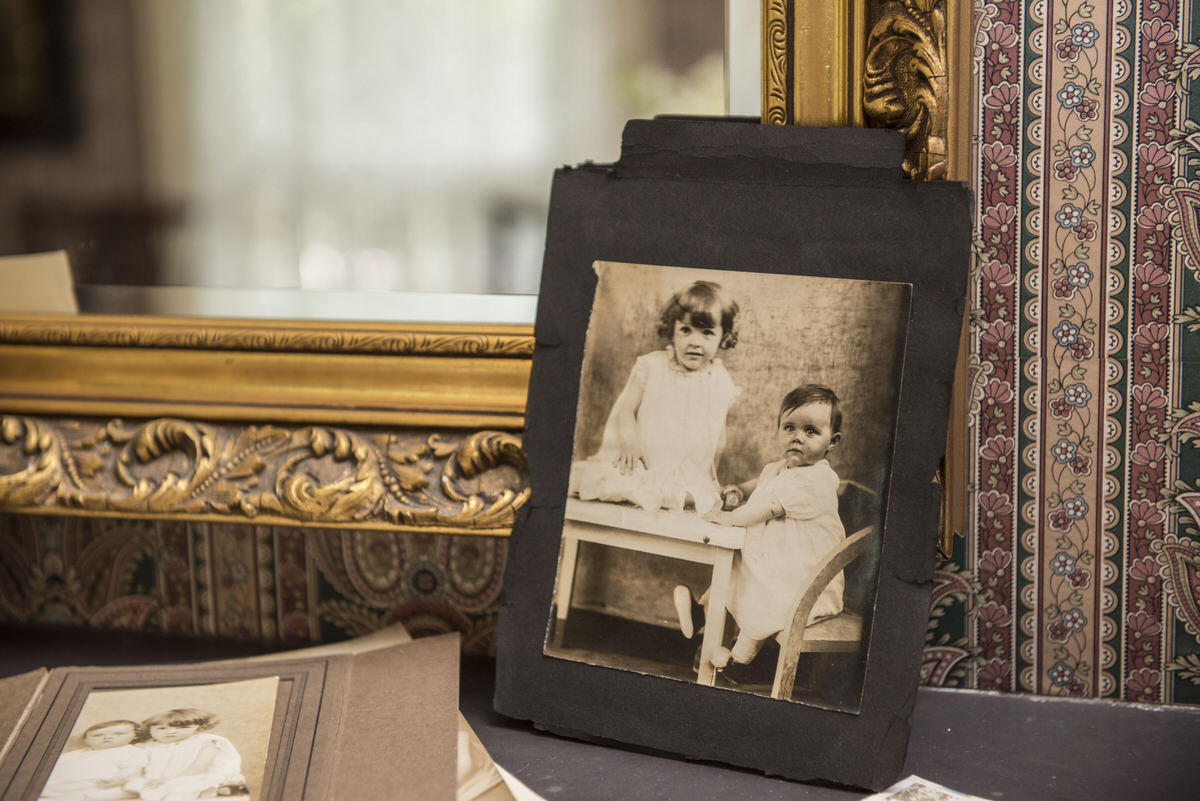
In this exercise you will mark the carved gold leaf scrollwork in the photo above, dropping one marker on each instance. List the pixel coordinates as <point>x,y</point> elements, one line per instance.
<point>776,44</point>
<point>319,475</point>
<point>905,83</point>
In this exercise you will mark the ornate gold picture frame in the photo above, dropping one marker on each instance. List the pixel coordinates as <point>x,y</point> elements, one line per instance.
<point>358,425</point>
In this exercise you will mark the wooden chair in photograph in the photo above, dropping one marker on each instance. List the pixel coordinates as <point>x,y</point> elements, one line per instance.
<point>841,633</point>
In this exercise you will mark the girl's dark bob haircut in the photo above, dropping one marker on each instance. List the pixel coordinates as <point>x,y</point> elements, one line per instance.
<point>706,305</point>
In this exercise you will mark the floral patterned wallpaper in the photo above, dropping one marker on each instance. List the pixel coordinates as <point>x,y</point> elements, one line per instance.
<point>1080,571</point>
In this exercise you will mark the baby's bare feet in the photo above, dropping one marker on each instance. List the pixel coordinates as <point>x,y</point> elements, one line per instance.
<point>721,657</point>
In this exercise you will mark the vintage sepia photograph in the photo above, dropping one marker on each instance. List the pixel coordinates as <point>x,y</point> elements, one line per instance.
<point>732,455</point>
<point>171,743</point>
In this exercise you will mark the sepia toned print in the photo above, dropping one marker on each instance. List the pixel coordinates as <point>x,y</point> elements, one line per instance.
<point>731,460</point>
<point>180,743</point>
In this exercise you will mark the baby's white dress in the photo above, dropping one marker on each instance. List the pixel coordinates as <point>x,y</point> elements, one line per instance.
<point>77,774</point>
<point>781,556</point>
<point>679,424</point>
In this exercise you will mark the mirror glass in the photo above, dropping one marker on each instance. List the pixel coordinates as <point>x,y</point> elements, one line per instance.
<point>334,145</point>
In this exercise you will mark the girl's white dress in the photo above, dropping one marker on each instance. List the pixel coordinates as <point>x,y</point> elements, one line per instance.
<point>680,423</point>
<point>781,555</point>
<point>190,769</point>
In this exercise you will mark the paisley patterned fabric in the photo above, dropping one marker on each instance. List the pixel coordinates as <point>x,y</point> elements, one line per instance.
<point>1079,572</point>
<point>259,582</point>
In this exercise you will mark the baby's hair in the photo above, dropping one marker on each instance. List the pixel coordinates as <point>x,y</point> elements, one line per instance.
<point>182,717</point>
<point>707,305</point>
<point>814,393</point>
<point>108,724</point>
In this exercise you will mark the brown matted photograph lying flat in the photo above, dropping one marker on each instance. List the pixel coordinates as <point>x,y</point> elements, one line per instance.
<point>745,346</point>
<point>314,727</point>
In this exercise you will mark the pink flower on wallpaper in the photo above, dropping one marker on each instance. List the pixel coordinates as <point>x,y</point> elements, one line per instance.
<point>1058,520</point>
<point>1061,408</point>
<point>997,449</point>
<point>1159,93</point>
<point>1066,49</point>
<point>1080,579</point>
<point>994,508</point>
<point>1141,624</point>
<point>994,675</point>
<point>1086,230</point>
<point>997,335</point>
<point>1058,632</point>
<point>1003,36</point>
<point>993,622</point>
<point>1148,454</point>
<point>997,392</point>
<point>1144,518</point>
<point>1145,570</point>
<point>1064,170</point>
<point>1082,348</point>
<point>999,217</point>
<point>1081,465</point>
<point>1154,156</point>
<point>1147,396</point>
<point>996,274</point>
<point>992,615</point>
<point>1087,109</point>
<point>1152,336</point>
<point>1063,288</point>
<point>1153,217</point>
<point>998,156</point>
<point>1149,275</point>
<point>993,566</point>
<point>1142,684</point>
<point>1156,33</point>
<point>1004,97</point>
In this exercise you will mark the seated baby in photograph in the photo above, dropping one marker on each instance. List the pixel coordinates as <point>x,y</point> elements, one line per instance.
<point>99,770</point>
<point>791,519</point>
<point>666,428</point>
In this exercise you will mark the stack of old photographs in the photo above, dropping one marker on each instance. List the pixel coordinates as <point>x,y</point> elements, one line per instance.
<point>373,717</point>
<point>745,345</point>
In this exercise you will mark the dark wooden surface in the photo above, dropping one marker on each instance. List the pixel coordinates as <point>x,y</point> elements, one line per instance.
<point>996,746</point>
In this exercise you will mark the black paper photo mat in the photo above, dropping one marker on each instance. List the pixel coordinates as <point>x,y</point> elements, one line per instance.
<point>723,195</point>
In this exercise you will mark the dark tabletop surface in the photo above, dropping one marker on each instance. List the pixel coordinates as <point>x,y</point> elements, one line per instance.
<point>994,746</point>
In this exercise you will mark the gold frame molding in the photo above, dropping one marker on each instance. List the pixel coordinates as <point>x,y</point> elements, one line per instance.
<point>356,425</point>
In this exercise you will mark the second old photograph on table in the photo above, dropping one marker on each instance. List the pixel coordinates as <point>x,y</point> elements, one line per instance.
<point>732,454</point>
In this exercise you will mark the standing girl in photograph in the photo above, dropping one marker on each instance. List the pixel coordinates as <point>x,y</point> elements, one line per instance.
<point>792,522</point>
<point>185,762</point>
<point>666,428</point>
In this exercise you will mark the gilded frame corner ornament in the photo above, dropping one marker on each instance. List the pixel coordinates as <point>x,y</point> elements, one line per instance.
<point>900,64</point>
<point>375,426</point>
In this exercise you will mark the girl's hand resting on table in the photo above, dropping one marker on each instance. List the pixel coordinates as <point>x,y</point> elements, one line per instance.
<point>628,460</point>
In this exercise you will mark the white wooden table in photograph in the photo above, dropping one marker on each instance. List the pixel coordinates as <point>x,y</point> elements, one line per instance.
<point>679,535</point>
